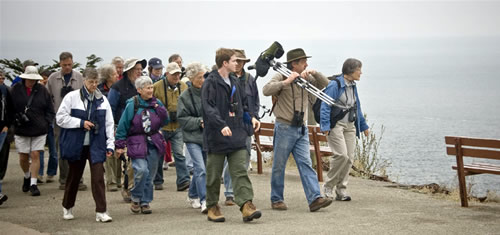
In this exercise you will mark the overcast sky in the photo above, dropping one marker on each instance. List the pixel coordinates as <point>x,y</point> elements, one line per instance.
<point>206,20</point>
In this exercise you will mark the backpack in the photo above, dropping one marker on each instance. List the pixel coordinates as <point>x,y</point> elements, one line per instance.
<point>316,108</point>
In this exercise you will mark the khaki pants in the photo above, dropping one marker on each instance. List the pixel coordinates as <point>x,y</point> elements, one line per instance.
<point>342,142</point>
<point>113,170</point>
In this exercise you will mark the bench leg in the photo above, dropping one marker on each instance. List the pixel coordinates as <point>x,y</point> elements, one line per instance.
<point>259,161</point>
<point>463,188</point>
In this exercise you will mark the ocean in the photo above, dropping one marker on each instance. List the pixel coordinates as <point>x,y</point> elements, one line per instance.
<point>420,90</point>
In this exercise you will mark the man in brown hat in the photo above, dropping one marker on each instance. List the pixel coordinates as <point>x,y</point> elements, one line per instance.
<point>291,135</point>
<point>249,84</point>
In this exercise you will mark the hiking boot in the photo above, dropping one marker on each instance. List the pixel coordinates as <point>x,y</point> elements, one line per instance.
<point>319,203</point>
<point>49,179</point>
<point>280,206</point>
<point>215,215</point>
<point>229,201</point>
<point>135,207</point>
<point>26,185</point>
<point>103,217</point>
<point>126,196</point>
<point>343,198</point>
<point>183,186</point>
<point>249,212</point>
<point>158,186</point>
<point>3,198</point>
<point>146,209</point>
<point>82,187</point>
<point>34,190</point>
<point>68,214</point>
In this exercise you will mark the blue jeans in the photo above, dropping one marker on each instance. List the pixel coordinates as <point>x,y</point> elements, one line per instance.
<point>289,139</point>
<point>228,183</point>
<point>52,164</point>
<point>181,170</point>
<point>189,161</point>
<point>198,186</point>
<point>144,171</point>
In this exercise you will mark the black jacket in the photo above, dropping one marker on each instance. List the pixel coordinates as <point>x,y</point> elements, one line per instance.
<point>216,102</point>
<point>41,113</point>
<point>118,95</point>
<point>6,107</point>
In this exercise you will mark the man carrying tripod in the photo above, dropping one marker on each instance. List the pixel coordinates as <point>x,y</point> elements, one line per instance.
<point>290,132</point>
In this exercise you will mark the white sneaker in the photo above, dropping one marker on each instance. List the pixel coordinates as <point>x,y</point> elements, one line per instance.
<point>68,214</point>
<point>204,207</point>
<point>195,202</point>
<point>165,166</point>
<point>328,191</point>
<point>103,217</point>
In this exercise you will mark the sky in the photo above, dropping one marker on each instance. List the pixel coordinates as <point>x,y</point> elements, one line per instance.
<point>245,20</point>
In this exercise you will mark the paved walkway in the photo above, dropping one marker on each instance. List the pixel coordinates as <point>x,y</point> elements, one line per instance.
<point>375,209</point>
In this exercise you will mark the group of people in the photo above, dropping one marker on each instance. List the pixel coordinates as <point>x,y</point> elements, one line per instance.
<point>120,113</point>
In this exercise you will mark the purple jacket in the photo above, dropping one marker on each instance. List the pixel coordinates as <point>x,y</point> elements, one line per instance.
<point>130,132</point>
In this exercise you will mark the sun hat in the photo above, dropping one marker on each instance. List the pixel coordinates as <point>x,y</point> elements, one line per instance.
<point>240,55</point>
<point>295,54</point>
<point>173,67</point>
<point>31,73</point>
<point>131,62</point>
<point>155,63</point>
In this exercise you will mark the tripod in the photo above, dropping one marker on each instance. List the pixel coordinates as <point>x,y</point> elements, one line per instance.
<point>301,82</point>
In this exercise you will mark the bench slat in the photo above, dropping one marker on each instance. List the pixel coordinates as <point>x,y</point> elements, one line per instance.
<point>479,153</point>
<point>480,170</point>
<point>476,142</point>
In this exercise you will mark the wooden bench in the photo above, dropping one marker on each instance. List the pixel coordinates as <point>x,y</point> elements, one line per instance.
<point>475,148</point>
<point>315,137</point>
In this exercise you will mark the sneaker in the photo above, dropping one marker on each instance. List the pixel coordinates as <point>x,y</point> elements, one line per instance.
<point>126,196</point>
<point>39,179</point>
<point>342,198</point>
<point>204,209</point>
<point>171,164</point>
<point>195,202</point>
<point>49,179</point>
<point>183,186</point>
<point>68,214</point>
<point>319,203</point>
<point>34,190</point>
<point>26,185</point>
<point>146,209</point>
<point>229,201</point>
<point>3,198</point>
<point>280,206</point>
<point>165,166</point>
<point>328,191</point>
<point>158,186</point>
<point>82,187</point>
<point>103,217</point>
<point>62,186</point>
<point>135,207</point>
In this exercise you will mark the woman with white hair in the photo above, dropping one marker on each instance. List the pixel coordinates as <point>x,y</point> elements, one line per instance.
<point>190,118</point>
<point>108,76</point>
<point>86,123</point>
<point>139,131</point>
<point>34,111</point>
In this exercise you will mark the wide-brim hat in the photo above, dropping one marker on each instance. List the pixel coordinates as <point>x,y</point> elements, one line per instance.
<point>130,63</point>
<point>296,54</point>
<point>173,67</point>
<point>240,55</point>
<point>31,73</point>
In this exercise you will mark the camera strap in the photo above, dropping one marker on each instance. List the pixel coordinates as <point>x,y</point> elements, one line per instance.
<point>30,99</point>
<point>302,99</point>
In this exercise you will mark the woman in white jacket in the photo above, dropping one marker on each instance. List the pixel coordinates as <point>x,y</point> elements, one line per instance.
<point>86,122</point>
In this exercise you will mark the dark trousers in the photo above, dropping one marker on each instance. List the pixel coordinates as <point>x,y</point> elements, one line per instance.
<point>76,169</point>
<point>4,158</point>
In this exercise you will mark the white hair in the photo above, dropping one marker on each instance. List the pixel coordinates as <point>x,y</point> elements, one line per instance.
<point>143,81</point>
<point>195,68</point>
